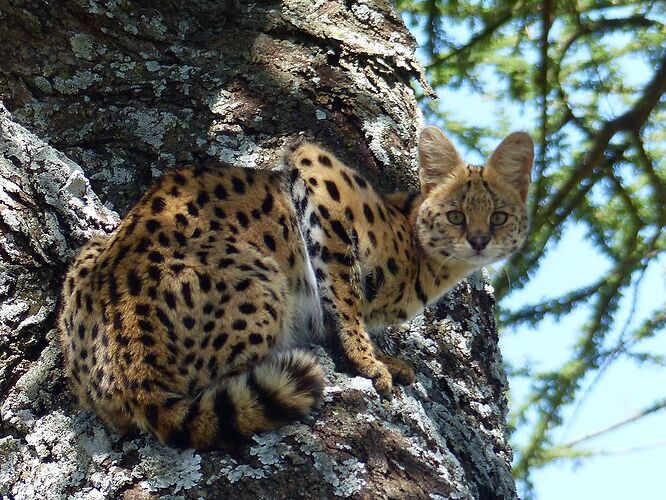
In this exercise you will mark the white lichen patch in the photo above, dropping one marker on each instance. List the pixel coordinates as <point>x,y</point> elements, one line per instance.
<point>152,66</point>
<point>54,464</point>
<point>151,125</point>
<point>164,467</point>
<point>82,45</point>
<point>270,448</point>
<point>79,81</point>
<point>234,472</point>
<point>375,131</point>
<point>345,476</point>
<point>237,150</point>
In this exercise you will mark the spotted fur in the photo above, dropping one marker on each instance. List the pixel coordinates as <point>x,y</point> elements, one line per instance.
<point>182,321</point>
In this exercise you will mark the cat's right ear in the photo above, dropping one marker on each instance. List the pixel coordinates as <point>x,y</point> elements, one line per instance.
<point>512,161</point>
<point>438,158</point>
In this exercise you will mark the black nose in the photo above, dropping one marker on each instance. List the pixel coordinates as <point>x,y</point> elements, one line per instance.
<point>478,241</point>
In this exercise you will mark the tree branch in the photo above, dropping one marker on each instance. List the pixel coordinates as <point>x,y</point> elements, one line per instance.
<point>653,408</point>
<point>632,121</point>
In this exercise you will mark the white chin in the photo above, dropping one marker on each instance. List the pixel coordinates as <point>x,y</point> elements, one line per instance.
<point>480,259</point>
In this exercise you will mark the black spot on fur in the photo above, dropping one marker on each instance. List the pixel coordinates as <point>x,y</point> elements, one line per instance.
<point>180,238</point>
<point>134,283</point>
<point>170,299</point>
<point>235,351</point>
<point>157,205</point>
<point>162,316</point>
<point>118,321</point>
<point>326,254</point>
<point>164,240</point>
<point>332,189</point>
<point>154,273</point>
<point>344,259</point>
<point>349,214</point>
<point>204,282</point>
<point>373,282</point>
<point>186,292</point>
<point>182,220</point>
<point>369,215</point>
<point>177,268</point>
<point>419,292</point>
<point>224,263</point>
<point>247,308</point>
<point>339,229</point>
<point>324,212</point>
<point>238,185</point>
<point>219,341</point>
<point>202,198</point>
<point>242,218</point>
<point>156,257</point>
<point>242,285</point>
<point>271,310</point>
<point>267,204</point>
<point>360,181</point>
<point>325,160</point>
<point>269,241</point>
<point>152,225</point>
<point>220,192</point>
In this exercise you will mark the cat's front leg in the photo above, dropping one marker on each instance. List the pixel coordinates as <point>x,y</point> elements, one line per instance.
<point>360,352</point>
<point>341,299</point>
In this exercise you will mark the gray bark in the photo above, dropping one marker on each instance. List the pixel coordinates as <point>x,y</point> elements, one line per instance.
<point>104,98</point>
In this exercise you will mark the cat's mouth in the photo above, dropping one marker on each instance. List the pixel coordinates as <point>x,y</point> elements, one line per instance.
<point>482,256</point>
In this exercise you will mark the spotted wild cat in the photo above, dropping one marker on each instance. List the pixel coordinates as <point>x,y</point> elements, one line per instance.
<point>182,321</point>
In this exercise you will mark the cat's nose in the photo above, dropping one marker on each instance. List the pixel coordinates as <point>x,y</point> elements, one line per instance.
<point>478,241</point>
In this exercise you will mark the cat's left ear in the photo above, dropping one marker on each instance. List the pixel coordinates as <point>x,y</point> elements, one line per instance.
<point>438,158</point>
<point>512,161</point>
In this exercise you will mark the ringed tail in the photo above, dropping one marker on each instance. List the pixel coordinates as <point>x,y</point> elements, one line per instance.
<point>280,389</point>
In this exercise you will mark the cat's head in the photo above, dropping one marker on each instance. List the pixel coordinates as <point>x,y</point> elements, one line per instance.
<point>473,213</point>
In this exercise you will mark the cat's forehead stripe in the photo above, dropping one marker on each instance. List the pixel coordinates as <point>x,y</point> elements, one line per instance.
<point>475,169</point>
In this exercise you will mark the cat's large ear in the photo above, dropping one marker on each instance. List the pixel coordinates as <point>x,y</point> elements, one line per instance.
<point>512,161</point>
<point>438,157</point>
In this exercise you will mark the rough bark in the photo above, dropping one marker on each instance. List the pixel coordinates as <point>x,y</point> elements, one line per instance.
<point>122,92</point>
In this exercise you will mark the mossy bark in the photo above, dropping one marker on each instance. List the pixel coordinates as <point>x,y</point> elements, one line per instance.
<point>101,98</point>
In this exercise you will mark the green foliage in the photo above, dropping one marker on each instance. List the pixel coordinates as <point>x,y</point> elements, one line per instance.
<point>593,73</point>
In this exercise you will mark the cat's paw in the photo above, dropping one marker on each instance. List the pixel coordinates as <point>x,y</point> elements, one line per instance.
<point>381,380</point>
<point>401,372</point>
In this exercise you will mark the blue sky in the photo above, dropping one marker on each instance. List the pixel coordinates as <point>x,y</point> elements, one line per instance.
<point>625,389</point>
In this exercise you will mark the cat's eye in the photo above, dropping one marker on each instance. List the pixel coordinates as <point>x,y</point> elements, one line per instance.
<point>455,217</point>
<point>498,218</point>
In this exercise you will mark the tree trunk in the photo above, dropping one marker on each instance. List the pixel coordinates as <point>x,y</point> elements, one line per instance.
<point>121,93</point>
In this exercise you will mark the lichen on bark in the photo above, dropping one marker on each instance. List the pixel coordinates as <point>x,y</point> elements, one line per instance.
<point>104,97</point>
